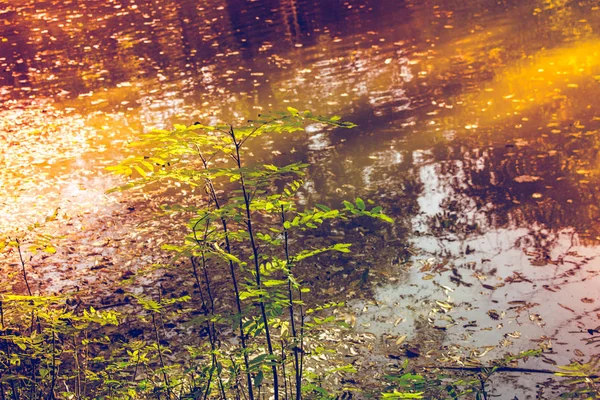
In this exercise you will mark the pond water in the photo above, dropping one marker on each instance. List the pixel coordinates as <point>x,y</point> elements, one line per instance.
<point>478,131</point>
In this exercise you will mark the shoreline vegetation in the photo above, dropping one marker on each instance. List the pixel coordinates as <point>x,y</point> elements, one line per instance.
<point>233,315</point>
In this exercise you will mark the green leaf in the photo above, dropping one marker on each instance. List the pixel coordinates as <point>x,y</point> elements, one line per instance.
<point>140,170</point>
<point>360,204</point>
<point>323,207</point>
<point>274,282</point>
<point>257,361</point>
<point>147,304</point>
<point>259,378</point>
<point>342,247</point>
<point>50,249</point>
<point>251,293</point>
<point>402,395</point>
<point>385,218</point>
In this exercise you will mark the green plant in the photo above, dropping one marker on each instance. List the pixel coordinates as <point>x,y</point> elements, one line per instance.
<point>442,385</point>
<point>43,343</point>
<point>582,379</point>
<point>248,224</point>
<point>245,222</point>
<point>42,338</point>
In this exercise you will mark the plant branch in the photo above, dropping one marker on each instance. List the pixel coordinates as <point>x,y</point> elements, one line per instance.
<point>256,264</point>
<point>238,302</point>
<point>288,265</point>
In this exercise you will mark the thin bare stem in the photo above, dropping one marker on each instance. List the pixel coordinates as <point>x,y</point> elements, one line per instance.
<point>53,382</point>
<point>302,317</point>
<point>160,356</point>
<point>297,372</point>
<point>2,334</point>
<point>283,373</point>
<point>23,266</point>
<point>207,391</point>
<point>77,367</point>
<point>238,303</point>
<point>256,264</point>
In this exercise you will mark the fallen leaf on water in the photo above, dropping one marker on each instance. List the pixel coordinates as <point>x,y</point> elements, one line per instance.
<point>551,289</point>
<point>484,352</point>
<point>535,317</point>
<point>444,305</point>
<point>493,314</point>
<point>548,360</point>
<point>472,362</point>
<point>566,308</point>
<point>447,288</point>
<point>412,351</point>
<point>526,178</point>
<point>516,278</point>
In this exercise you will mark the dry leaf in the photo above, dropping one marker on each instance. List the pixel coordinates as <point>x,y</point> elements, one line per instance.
<point>566,308</point>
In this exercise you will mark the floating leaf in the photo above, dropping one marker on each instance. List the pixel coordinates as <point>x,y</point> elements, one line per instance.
<point>444,305</point>
<point>566,308</point>
<point>400,340</point>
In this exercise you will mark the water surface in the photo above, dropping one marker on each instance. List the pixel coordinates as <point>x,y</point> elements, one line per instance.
<point>477,131</point>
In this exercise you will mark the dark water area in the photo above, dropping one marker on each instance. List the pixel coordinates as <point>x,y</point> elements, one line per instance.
<point>478,131</point>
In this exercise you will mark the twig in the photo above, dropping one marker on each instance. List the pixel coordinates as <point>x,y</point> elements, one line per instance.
<point>497,369</point>
<point>23,266</point>
<point>53,382</point>
<point>160,357</point>
<point>297,371</point>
